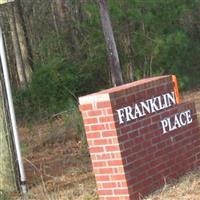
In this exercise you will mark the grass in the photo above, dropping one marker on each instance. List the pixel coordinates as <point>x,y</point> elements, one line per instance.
<point>83,190</point>
<point>4,196</point>
<point>186,188</point>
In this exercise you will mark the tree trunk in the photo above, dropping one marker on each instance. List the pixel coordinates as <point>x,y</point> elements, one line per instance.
<point>116,73</point>
<point>80,10</point>
<point>7,173</point>
<point>54,18</point>
<point>24,47</point>
<point>60,5</point>
<point>130,53</point>
<point>17,50</point>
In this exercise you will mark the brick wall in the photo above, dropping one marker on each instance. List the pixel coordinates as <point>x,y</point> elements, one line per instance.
<point>133,159</point>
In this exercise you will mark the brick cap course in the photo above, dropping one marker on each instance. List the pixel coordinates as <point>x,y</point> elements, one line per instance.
<point>96,97</point>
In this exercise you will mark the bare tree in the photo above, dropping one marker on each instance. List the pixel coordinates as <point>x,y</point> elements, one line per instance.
<point>116,73</point>
<point>60,4</point>
<point>23,40</point>
<point>16,48</point>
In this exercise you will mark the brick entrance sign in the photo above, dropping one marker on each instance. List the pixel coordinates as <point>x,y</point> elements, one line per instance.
<point>140,136</point>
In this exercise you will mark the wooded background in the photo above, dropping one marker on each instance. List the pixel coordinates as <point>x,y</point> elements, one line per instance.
<point>56,49</point>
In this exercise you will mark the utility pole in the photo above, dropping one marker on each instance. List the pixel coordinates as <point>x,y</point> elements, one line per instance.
<point>116,73</point>
<point>11,111</point>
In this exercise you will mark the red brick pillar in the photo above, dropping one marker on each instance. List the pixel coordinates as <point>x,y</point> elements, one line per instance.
<point>133,147</point>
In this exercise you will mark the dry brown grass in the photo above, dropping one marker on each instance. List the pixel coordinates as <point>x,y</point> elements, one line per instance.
<point>186,188</point>
<point>78,190</point>
<point>193,96</point>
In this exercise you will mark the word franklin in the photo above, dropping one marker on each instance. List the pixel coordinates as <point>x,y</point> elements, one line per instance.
<point>143,108</point>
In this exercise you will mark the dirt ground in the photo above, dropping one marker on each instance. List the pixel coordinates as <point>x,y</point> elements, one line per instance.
<point>56,162</point>
<point>58,165</point>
